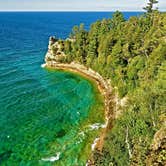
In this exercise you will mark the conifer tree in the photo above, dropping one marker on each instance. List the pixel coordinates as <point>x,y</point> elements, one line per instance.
<point>149,7</point>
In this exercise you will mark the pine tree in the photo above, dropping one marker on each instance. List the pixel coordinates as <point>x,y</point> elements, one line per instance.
<point>149,7</point>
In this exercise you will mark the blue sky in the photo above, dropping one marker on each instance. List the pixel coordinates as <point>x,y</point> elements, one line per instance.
<point>76,5</point>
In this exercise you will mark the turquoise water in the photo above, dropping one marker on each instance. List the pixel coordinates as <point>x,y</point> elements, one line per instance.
<point>42,118</point>
<point>44,113</point>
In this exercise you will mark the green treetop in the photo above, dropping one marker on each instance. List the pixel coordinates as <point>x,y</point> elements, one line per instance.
<point>149,7</point>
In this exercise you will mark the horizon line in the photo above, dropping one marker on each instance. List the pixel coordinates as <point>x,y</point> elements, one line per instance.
<point>143,11</point>
<point>67,11</point>
<point>71,10</point>
<point>76,11</point>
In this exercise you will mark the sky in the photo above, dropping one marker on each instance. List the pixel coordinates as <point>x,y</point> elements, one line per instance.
<point>76,5</point>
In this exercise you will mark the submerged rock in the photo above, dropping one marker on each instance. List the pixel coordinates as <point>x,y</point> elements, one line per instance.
<point>5,156</point>
<point>53,158</point>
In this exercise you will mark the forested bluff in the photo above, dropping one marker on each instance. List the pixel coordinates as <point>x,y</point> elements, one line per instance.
<point>131,54</point>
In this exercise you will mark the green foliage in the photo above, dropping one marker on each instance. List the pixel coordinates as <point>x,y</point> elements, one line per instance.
<point>67,46</point>
<point>149,7</point>
<point>117,19</point>
<point>54,49</point>
<point>132,54</point>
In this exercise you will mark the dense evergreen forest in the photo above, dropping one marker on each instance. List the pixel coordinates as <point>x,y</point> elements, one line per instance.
<point>132,55</point>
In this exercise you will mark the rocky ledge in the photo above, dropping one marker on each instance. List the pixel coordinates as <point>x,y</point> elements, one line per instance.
<point>55,52</point>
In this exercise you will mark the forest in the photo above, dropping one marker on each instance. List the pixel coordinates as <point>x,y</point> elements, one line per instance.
<point>132,55</point>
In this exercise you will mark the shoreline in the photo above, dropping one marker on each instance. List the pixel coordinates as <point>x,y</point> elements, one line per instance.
<point>102,85</point>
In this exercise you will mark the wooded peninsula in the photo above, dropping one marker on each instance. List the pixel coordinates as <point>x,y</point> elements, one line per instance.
<point>131,55</point>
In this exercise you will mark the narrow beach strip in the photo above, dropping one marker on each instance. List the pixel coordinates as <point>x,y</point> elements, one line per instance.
<point>103,86</point>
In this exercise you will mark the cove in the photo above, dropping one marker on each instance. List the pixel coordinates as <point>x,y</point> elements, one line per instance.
<point>61,127</point>
<point>83,120</point>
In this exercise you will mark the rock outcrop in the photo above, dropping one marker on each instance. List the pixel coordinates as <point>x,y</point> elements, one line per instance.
<point>54,52</point>
<point>157,154</point>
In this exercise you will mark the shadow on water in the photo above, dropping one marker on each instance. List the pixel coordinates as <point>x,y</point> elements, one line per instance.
<point>60,133</point>
<point>4,156</point>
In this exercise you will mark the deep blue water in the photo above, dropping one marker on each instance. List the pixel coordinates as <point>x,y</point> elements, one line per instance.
<point>43,113</point>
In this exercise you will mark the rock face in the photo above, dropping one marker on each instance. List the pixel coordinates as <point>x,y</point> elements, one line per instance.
<point>157,155</point>
<point>54,52</point>
<point>159,137</point>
